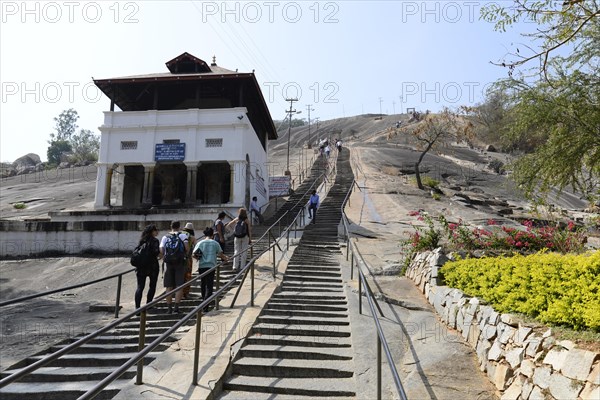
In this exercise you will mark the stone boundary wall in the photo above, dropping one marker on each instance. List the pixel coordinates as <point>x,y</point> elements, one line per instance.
<point>30,239</point>
<point>522,362</point>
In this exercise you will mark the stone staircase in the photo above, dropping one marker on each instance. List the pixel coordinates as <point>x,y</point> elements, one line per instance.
<point>300,345</point>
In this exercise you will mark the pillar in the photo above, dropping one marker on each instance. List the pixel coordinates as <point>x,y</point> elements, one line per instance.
<point>190,193</point>
<point>107,187</point>
<point>100,186</point>
<point>148,184</point>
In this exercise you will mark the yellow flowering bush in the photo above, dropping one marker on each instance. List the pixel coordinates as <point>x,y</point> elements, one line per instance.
<point>553,288</point>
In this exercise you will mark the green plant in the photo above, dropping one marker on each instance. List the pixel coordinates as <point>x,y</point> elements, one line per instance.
<point>422,239</point>
<point>20,206</point>
<point>436,196</point>
<point>429,181</point>
<point>551,287</point>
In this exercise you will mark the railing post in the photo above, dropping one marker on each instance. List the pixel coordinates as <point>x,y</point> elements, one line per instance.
<point>378,367</point>
<point>347,245</point>
<point>269,241</point>
<point>288,239</point>
<point>359,293</point>
<point>274,264</point>
<point>141,343</point>
<point>197,347</point>
<point>352,266</point>
<point>252,284</point>
<point>295,228</point>
<point>118,301</point>
<point>218,286</point>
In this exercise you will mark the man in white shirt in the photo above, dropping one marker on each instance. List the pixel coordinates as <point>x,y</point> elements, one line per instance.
<point>175,260</point>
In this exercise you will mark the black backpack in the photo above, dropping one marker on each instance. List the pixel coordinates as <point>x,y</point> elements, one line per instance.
<point>241,229</point>
<point>174,249</point>
<point>141,255</point>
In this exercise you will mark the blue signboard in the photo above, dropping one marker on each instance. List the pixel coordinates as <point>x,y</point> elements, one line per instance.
<point>169,152</point>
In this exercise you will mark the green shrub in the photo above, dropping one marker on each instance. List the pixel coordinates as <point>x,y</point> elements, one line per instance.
<point>429,181</point>
<point>19,206</point>
<point>553,288</point>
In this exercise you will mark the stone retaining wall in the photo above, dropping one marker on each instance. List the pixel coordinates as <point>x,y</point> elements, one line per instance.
<point>523,362</point>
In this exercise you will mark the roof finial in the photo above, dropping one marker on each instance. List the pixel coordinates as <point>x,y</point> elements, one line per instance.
<point>214,63</point>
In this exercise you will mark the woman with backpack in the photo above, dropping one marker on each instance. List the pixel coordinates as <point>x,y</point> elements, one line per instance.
<point>149,267</point>
<point>242,232</point>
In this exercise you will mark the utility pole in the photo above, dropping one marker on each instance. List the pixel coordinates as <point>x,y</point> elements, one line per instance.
<point>309,109</point>
<point>394,105</point>
<point>401,103</point>
<point>290,113</point>
<point>380,101</point>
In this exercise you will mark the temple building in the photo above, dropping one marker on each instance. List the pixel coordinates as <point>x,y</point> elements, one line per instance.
<point>194,137</point>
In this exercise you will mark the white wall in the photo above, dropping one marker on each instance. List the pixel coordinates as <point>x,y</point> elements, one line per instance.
<point>192,127</point>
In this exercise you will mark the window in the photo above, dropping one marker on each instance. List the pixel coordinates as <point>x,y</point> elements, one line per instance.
<point>214,142</point>
<point>129,145</point>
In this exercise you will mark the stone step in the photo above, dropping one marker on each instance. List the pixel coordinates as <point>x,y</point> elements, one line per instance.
<point>126,339</point>
<point>108,348</point>
<point>62,374</point>
<point>305,296</point>
<point>57,390</point>
<point>325,276</point>
<point>310,279</point>
<point>295,352</point>
<point>304,313</point>
<point>300,288</point>
<point>301,330</point>
<point>303,267</point>
<point>91,360</point>
<point>308,307</point>
<point>306,300</point>
<point>284,368</point>
<point>299,320</point>
<point>301,341</point>
<point>252,387</point>
<point>310,286</point>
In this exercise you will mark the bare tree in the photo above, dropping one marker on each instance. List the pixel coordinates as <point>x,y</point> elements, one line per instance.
<point>437,130</point>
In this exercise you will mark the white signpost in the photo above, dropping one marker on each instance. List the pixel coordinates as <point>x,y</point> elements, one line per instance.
<point>279,186</point>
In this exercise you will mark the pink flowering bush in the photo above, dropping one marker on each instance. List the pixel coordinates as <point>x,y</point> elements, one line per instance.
<point>531,238</point>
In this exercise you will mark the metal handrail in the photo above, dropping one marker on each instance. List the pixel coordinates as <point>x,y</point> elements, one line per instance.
<point>381,341</point>
<point>142,311</point>
<point>33,296</point>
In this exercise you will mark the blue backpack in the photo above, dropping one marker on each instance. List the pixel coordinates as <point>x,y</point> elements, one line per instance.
<point>174,249</point>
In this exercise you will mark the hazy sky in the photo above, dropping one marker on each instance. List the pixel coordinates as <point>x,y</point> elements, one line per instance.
<point>340,56</point>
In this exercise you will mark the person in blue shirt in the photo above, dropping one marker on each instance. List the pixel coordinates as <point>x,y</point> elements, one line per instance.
<point>209,249</point>
<point>313,205</point>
